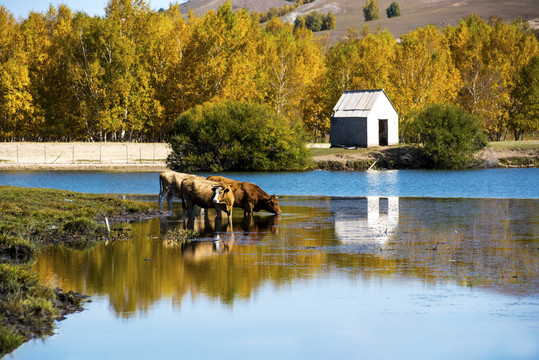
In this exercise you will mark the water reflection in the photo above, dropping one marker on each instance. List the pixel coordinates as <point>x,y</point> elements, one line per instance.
<point>369,221</point>
<point>485,243</point>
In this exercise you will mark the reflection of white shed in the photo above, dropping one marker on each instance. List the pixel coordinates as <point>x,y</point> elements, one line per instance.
<point>364,118</point>
<point>369,221</point>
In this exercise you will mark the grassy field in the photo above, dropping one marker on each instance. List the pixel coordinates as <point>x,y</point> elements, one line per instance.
<point>525,144</point>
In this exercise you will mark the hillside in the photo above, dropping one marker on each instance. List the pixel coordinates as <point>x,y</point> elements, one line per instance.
<point>201,6</point>
<point>414,13</point>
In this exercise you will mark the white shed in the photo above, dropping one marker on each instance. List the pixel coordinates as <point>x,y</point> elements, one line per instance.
<point>364,118</point>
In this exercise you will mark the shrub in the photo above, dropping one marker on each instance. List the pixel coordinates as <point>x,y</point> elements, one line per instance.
<point>315,21</point>
<point>393,10</point>
<point>450,136</point>
<point>236,136</point>
<point>370,11</point>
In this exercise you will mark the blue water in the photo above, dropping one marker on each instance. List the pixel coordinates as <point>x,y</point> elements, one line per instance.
<point>485,183</point>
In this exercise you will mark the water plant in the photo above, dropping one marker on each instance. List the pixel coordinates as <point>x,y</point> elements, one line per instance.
<point>180,236</point>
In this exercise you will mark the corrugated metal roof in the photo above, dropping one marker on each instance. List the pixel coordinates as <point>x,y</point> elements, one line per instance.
<point>356,103</point>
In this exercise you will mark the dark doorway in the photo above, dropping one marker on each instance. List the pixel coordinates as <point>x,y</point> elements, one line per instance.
<point>382,132</point>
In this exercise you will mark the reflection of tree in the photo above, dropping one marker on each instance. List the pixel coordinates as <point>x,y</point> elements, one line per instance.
<point>474,242</point>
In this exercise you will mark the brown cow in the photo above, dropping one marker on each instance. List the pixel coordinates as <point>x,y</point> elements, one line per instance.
<point>206,194</point>
<point>170,185</point>
<point>250,197</point>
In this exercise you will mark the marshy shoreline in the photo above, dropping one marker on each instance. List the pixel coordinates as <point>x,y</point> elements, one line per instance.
<point>32,218</point>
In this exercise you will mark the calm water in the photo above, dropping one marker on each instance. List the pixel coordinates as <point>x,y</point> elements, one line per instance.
<point>490,183</point>
<point>334,277</point>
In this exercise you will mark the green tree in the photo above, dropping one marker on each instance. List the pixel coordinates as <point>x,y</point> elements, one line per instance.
<point>524,110</point>
<point>299,23</point>
<point>450,136</point>
<point>313,21</point>
<point>236,136</point>
<point>371,11</point>
<point>393,10</point>
<point>329,21</point>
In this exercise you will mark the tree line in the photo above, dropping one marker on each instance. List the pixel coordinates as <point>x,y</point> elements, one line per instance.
<point>129,75</point>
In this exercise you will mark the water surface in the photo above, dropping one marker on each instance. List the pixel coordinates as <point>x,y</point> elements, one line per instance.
<point>333,277</point>
<point>487,183</point>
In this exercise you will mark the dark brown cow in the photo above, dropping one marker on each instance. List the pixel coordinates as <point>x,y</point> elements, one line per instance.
<point>207,194</point>
<point>250,197</point>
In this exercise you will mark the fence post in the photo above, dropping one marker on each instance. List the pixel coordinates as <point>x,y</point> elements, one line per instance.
<point>154,152</point>
<point>126,154</point>
<point>100,158</point>
<point>73,154</point>
<point>140,153</point>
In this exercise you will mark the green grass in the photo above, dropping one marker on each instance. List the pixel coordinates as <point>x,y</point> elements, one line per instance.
<point>44,215</point>
<point>338,151</point>
<point>525,144</point>
<point>358,151</point>
<point>29,218</point>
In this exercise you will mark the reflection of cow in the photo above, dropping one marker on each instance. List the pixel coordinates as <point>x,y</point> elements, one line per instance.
<point>250,197</point>
<point>170,185</point>
<point>203,250</point>
<point>206,194</point>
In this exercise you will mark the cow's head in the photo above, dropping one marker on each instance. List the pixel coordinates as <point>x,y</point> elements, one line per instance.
<point>271,205</point>
<point>225,197</point>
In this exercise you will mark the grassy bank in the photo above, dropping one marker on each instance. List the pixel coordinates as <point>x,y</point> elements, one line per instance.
<point>30,218</point>
<point>495,155</point>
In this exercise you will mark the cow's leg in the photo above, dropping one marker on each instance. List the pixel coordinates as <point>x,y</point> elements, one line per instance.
<point>190,209</point>
<point>161,196</point>
<point>169,199</point>
<point>248,210</point>
<point>217,210</point>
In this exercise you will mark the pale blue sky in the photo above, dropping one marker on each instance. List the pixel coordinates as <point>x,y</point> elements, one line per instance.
<point>21,8</point>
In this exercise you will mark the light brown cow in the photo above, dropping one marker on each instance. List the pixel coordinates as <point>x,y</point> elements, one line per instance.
<point>206,194</point>
<point>250,197</point>
<point>170,185</point>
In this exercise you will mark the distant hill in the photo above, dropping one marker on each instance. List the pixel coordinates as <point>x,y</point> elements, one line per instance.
<point>414,13</point>
<point>201,6</point>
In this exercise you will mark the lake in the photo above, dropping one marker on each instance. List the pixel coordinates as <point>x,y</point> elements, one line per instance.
<point>360,265</point>
<point>488,183</point>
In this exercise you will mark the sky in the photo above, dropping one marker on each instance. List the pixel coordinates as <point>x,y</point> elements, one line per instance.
<point>21,8</point>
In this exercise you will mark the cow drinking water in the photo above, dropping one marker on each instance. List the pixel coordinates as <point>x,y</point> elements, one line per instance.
<point>250,197</point>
